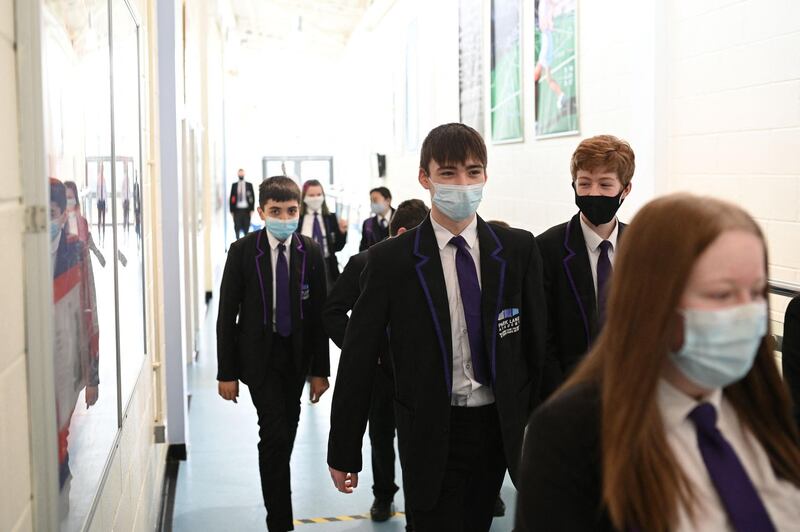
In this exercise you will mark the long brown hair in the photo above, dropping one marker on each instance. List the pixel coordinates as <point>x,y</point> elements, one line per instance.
<point>642,480</point>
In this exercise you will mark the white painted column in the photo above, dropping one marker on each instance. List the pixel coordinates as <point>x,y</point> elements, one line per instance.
<point>170,105</point>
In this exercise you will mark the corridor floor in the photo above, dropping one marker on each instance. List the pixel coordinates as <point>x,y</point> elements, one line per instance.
<point>218,488</point>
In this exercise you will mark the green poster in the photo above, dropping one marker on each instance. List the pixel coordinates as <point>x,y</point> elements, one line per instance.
<point>556,73</point>
<point>506,79</point>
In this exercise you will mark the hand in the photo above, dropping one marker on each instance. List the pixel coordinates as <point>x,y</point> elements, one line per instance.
<point>229,390</point>
<point>319,385</point>
<point>344,482</point>
<point>90,395</point>
<point>342,226</point>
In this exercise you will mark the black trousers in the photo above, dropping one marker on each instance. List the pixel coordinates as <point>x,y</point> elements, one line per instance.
<point>241,221</point>
<point>381,435</point>
<point>476,466</point>
<point>277,402</point>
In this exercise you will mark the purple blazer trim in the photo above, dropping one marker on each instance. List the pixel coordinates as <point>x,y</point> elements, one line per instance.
<point>424,260</point>
<point>260,278</point>
<point>301,249</point>
<point>572,281</point>
<point>496,256</point>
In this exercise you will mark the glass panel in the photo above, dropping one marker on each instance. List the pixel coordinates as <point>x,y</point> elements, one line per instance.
<point>78,144</point>
<point>319,170</point>
<point>275,168</point>
<point>127,150</point>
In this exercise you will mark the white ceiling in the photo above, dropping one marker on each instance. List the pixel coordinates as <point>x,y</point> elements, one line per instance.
<point>321,22</point>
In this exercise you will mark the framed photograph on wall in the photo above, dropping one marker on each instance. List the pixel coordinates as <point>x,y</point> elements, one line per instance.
<point>506,73</point>
<point>556,72</point>
<point>470,63</point>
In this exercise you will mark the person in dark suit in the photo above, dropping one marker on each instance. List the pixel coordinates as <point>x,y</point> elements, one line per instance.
<point>340,301</point>
<point>270,334</point>
<point>463,304</point>
<point>242,202</point>
<point>322,226</point>
<point>376,227</point>
<point>791,353</point>
<point>578,255</point>
<point>676,419</point>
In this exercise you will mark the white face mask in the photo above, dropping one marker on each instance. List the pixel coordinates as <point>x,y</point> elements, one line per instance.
<point>314,202</point>
<point>457,202</point>
<point>719,346</point>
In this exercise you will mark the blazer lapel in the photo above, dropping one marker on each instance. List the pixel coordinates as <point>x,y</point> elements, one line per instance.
<point>264,271</point>
<point>431,278</point>
<point>493,276</point>
<point>579,275</point>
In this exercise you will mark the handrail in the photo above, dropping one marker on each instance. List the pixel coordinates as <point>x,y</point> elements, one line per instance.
<point>783,288</point>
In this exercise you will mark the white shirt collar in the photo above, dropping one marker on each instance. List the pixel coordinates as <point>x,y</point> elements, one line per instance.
<point>593,240</point>
<point>443,235</point>
<point>676,406</point>
<point>273,242</point>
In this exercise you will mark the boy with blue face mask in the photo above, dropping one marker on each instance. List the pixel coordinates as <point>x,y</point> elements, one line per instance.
<point>270,334</point>
<point>376,227</point>
<point>463,303</point>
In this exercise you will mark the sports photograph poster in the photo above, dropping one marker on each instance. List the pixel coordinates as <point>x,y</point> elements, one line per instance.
<point>470,63</point>
<point>556,73</point>
<point>506,76</point>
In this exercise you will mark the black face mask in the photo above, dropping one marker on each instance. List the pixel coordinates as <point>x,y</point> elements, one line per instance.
<point>599,209</point>
<point>241,177</point>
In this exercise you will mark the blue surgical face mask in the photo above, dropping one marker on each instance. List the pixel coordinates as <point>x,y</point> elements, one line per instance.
<point>457,202</point>
<point>281,229</point>
<point>719,346</point>
<point>55,229</point>
<point>378,207</point>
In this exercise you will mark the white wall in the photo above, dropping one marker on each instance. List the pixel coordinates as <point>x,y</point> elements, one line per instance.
<point>15,490</point>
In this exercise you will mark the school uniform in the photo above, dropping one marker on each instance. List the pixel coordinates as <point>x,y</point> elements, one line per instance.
<point>571,254</point>
<point>560,487</point>
<point>270,349</point>
<point>790,352</point>
<point>461,399</point>
<point>324,230</point>
<point>242,201</point>
<point>375,229</point>
<point>341,300</point>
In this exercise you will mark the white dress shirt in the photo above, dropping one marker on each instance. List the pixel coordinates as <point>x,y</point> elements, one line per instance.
<point>780,498</point>
<point>387,217</point>
<point>241,195</point>
<point>273,244</point>
<point>307,229</point>
<point>466,390</point>
<point>593,242</point>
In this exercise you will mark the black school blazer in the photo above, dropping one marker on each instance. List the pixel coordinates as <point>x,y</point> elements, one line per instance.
<point>244,322</point>
<point>560,482</point>
<point>336,240</point>
<point>571,302</point>
<point>403,289</point>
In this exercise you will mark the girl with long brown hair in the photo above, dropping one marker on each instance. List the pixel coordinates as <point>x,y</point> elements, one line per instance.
<point>678,418</point>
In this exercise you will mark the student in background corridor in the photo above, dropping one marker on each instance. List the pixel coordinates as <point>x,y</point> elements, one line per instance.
<point>376,228</point>
<point>242,202</point>
<point>464,308</point>
<point>270,334</point>
<point>321,225</point>
<point>578,255</point>
<point>340,301</point>
<point>790,352</point>
<point>677,419</point>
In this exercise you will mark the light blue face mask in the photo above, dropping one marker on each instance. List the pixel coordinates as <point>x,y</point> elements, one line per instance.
<point>457,202</point>
<point>377,208</point>
<point>719,346</point>
<point>281,229</point>
<point>55,230</point>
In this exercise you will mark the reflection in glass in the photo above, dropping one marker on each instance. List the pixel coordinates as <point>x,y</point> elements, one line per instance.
<point>78,136</point>
<point>127,170</point>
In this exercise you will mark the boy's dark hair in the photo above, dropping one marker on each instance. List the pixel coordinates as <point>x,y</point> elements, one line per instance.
<point>383,191</point>
<point>409,214</point>
<point>58,193</point>
<point>278,188</point>
<point>451,144</point>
